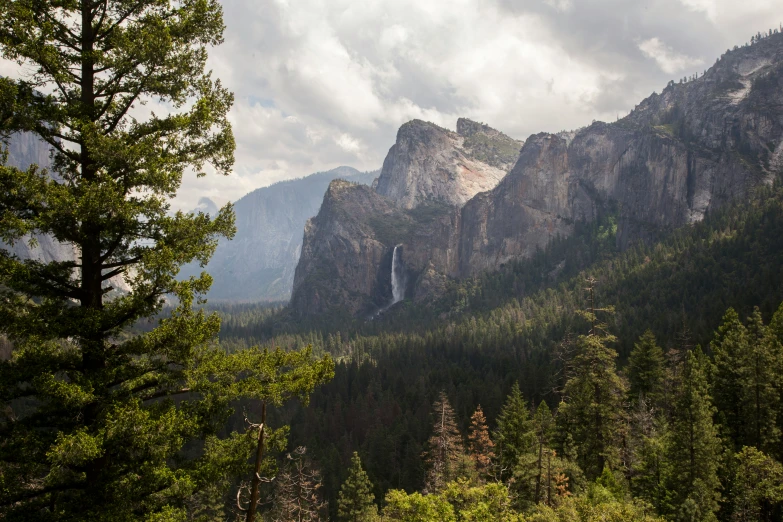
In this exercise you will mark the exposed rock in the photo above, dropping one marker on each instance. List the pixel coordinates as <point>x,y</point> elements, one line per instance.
<point>679,154</point>
<point>259,263</point>
<point>431,163</point>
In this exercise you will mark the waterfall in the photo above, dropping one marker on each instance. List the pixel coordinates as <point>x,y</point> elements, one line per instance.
<point>398,283</point>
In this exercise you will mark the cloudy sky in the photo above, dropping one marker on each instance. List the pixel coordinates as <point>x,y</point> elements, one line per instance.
<point>324,83</point>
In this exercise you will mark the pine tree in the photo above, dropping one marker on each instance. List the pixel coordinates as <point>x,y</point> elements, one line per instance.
<point>695,449</point>
<point>762,386</point>
<point>445,451</point>
<point>480,445</point>
<point>747,389</point>
<point>646,370</point>
<point>541,474</point>
<point>357,502</point>
<point>730,349</point>
<point>513,436</point>
<point>101,421</point>
<point>592,409</point>
<point>646,454</point>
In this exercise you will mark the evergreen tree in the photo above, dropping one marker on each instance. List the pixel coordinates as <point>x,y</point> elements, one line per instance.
<point>99,421</point>
<point>532,474</point>
<point>695,449</point>
<point>646,455</point>
<point>730,349</point>
<point>757,488</point>
<point>513,436</point>
<point>762,385</point>
<point>357,502</point>
<point>592,409</point>
<point>543,428</point>
<point>446,451</point>
<point>646,370</point>
<point>747,385</point>
<point>480,445</point>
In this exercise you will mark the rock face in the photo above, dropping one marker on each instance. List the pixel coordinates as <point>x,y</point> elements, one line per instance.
<point>690,149</point>
<point>348,248</point>
<point>259,263</point>
<point>431,163</point>
<point>680,153</point>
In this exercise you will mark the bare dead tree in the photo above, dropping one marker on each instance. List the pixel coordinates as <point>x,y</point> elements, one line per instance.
<point>297,495</point>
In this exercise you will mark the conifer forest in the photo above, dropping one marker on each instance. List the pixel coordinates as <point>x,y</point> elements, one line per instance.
<point>578,326</point>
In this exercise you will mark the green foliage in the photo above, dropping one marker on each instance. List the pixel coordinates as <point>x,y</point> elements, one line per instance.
<point>592,413</point>
<point>748,365</point>
<point>485,503</point>
<point>101,421</point>
<point>695,449</point>
<point>599,508</point>
<point>647,456</point>
<point>357,502</point>
<point>758,486</point>
<point>416,507</point>
<point>514,434</point>
<point>646,370</point>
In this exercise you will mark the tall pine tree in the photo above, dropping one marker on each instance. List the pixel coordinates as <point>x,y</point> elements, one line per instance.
<point>513,436</point>
<point>100,421</point>
<point>356,502</point>
<point>695,449</point>
<point>747,386</point>
<point>480,445</point>
<point>646,370</point>
<point>592,411</point>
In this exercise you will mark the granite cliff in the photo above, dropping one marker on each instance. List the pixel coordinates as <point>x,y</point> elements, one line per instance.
<point>429,163</point>
<point>259,263</point>
<point>694,147</point>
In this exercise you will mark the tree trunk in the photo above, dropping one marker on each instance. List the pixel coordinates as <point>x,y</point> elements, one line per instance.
<point>251,510</point>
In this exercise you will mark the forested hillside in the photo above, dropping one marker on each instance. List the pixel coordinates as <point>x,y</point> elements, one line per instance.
<point>521,325</point>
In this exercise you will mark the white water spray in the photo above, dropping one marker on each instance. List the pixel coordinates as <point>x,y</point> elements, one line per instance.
<point>398,285</point>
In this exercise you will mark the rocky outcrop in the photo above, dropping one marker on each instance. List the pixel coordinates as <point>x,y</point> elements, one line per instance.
<point>346,261</point>
<point>679,154</point>
<point>692,148</point>
<point>429,163</point>
<point>259,263</point>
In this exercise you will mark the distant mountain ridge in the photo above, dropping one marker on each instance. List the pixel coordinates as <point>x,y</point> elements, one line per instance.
<point>259,263</point>
<point>694,147</point>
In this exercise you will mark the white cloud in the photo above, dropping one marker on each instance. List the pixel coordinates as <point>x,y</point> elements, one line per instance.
<point>708,7</point>
<point>560,5</point>
<point>324,83</point>
<point>669,60</point>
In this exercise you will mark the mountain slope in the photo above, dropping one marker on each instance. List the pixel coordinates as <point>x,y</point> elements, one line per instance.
<point>680,154</point>
<point>259,263</point>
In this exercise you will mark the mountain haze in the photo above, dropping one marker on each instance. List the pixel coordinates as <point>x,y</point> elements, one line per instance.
<point>259,263</point>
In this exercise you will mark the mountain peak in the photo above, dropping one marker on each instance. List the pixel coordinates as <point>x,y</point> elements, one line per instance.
<point>467,128</point>
<point>430,163</point>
